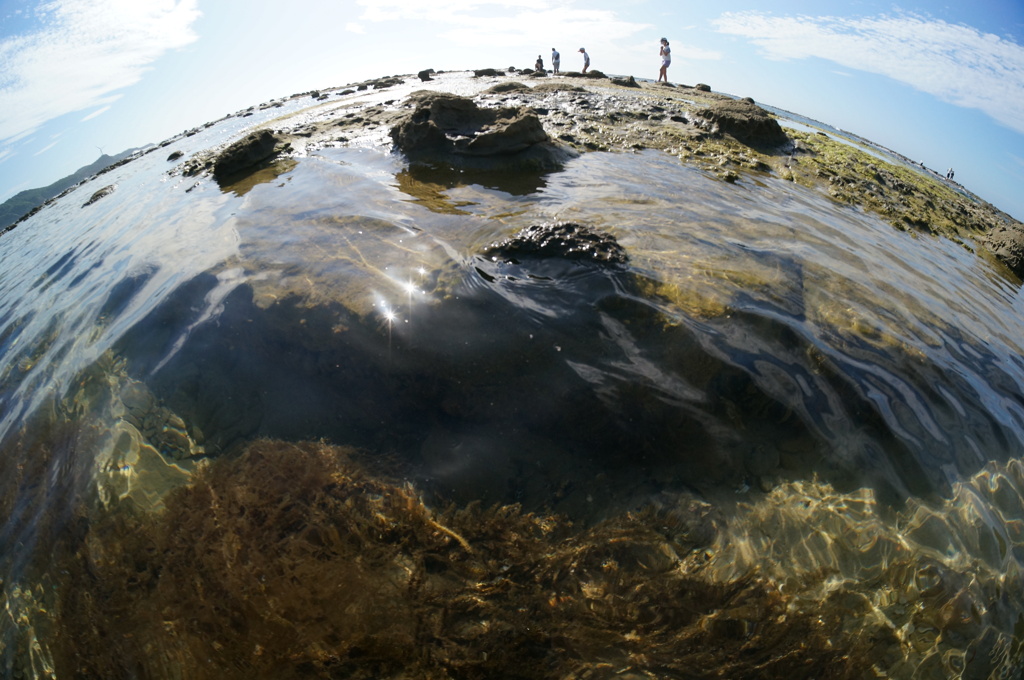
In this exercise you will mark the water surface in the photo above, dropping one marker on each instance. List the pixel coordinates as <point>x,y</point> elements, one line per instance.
<point>842,396</point>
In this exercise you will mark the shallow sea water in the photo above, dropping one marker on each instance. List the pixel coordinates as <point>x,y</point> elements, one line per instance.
<point>842,398</point>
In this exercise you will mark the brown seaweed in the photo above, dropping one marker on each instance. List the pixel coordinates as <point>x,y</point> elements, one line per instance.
<point>293,560</point>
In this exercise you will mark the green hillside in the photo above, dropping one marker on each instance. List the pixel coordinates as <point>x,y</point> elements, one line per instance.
<point>24,202</point>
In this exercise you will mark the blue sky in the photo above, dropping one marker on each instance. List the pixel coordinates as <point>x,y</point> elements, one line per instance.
<point>941,82</point>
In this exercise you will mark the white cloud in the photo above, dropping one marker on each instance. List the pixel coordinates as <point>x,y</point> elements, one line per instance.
<point>97,112</point>
<point>696,53</point>
<point>448,10</point>
<point>353,27</point>
<point>956,63</point>
<point>507,23</point>
<point>86,50</point>
<point>46,148</point>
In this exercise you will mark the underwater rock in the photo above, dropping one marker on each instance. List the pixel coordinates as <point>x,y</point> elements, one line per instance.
<point>743,120</point>
<point>448,126</point>
<point>252,149</point>
<point>562,239</point>
<point>105,191</point>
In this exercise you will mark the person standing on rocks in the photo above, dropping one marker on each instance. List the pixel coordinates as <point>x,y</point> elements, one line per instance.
<point>586,60</point>
<point>666,60</point>
<point>556,60</point>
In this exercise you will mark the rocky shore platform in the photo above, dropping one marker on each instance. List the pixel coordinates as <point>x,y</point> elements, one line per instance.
<point>509,120</point>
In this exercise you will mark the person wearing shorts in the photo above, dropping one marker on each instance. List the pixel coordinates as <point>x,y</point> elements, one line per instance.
<point>666,60</point>
<point>586,60</point>
<point>556,60</point>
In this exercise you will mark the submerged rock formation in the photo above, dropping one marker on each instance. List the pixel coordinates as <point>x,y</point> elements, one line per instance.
<point>564,239</point>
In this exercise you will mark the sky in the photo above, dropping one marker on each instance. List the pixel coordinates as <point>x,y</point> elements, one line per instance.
<point>940,82</point>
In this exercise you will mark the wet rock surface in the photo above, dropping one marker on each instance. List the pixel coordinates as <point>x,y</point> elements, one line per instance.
<point>443,123</point>
<point>455,130</point>
<point>566,240</point>
<point>626,82</point>
<point>538,125</point>
<point>743,120</point>
<point>252,149</point>
<point>100,193</point>
<point>1006,242</point>
<point>237,159</point>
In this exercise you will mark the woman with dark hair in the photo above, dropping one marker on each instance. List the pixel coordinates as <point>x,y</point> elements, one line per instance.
<point>666,59</point>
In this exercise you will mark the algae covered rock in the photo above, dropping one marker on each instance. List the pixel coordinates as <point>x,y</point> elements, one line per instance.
<point>626,82</point>
<point>743,120</point>
<point>100,193</point>
<point>252,149</point>
<point>1006,242</point>
<point>508,86</point>
<point>562,239</point>
<point>452,129</point>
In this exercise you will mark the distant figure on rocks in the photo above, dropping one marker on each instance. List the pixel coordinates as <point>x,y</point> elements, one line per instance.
<point>666,60</point>
<point>586,60</point>
<point>539,66</point>
<point>949,174</point>
<point>556,60</point>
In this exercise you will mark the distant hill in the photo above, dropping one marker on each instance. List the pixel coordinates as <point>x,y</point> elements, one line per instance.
<point>22,203</point>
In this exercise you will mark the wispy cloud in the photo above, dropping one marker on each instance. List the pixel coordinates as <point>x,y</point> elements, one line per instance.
<point>506,23</point>
<point>353,27</point>
<point>97,112</point>
<point>387,10</point>
<point>696,53</point>
<point>956,63</point>
<point>45,148</point>
<point>85,50</point>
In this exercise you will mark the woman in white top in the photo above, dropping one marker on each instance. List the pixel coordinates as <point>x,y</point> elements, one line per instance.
<point>666,59</point>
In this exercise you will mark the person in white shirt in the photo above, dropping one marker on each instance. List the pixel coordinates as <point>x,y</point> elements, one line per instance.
<point>586,60</point>
<point>556,60</point>
<point>666,59</point>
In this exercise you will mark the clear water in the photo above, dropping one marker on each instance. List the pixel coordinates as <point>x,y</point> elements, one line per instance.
<point>845,395</point>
